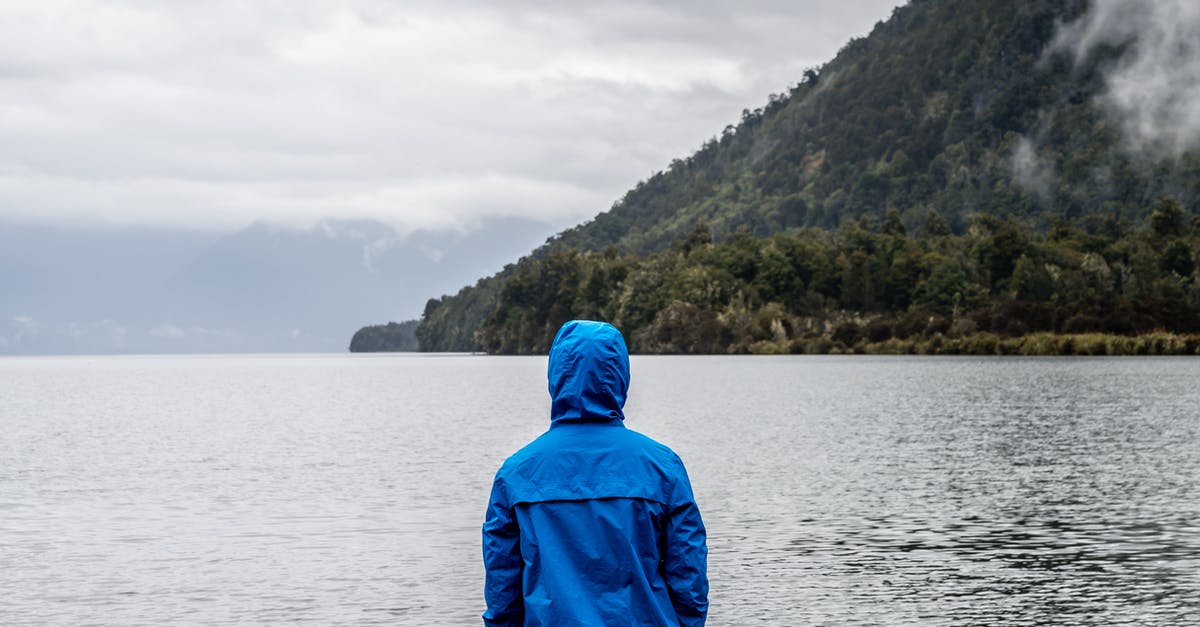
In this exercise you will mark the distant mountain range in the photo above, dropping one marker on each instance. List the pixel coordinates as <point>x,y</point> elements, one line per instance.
<point>261,289</point>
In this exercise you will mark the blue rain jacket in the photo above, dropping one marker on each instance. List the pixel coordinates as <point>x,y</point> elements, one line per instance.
<point>592,523</point>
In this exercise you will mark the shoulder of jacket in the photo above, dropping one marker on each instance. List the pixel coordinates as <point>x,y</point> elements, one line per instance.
<point>531,450</point>
<point>660,451</point>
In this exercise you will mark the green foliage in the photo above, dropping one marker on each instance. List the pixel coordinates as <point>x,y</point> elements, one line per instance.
<point>1177,259</point>
<point>1167,219</point>
<point>542,295</point>
<point>1045,344</point>
<point>450,323</point>
<point>865,286</point>
<point>935,224</point>
<point>390,337</point>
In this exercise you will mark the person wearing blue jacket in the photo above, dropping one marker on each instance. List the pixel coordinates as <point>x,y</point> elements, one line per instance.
<point>593,523</point>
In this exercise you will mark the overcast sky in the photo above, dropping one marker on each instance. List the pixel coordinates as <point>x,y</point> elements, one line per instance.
<point>216,114</point>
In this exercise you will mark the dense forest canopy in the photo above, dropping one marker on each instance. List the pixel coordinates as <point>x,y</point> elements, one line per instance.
<point>390,337</point>
<point>975,124</point>
<point>869,287</point>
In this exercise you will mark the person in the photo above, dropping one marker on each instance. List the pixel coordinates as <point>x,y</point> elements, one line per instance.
<point>593,523</point>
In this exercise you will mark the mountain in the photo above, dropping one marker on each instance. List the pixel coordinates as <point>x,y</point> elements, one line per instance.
<point>1038,113</point>
<point>263,288</point>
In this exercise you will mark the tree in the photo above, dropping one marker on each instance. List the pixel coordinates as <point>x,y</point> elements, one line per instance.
<point>1167,220</point>
<point>1177,258</point>
<point>1031,281</point>
<point>892,223</point>
<point>936,225</point>
<point>701,235</point>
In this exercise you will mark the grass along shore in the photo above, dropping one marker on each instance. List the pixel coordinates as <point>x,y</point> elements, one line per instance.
<point>1035,344</point>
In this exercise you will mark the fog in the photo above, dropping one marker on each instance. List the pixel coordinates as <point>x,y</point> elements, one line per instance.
<point>1154,86</point>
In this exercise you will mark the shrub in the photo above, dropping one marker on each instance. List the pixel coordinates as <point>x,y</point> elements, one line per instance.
<point>848,333</point>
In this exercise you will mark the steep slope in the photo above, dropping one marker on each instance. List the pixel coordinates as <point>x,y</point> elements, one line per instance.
<point>928,111</point>
<point>965,107</point>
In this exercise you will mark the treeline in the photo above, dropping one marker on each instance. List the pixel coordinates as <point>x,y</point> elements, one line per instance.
<point>390,337</point>
<point>1093,285</point>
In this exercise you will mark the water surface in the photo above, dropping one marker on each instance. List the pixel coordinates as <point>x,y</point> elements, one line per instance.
<point>837,490</point>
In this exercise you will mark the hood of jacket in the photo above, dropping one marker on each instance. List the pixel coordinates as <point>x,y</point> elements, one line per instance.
<point>588,372</point>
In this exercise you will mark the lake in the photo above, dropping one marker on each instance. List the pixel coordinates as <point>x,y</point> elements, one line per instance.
<point>349,489</point>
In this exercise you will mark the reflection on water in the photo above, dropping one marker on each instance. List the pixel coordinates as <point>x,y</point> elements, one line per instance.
<point>837,490</point>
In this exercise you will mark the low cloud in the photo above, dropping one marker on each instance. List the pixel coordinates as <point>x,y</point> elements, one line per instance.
<point>1032,171</point>
<point>22,327</point>
<point>167,330</point>
<point>1154,87</point>
<point>109,333</point>
<point>170,331</point>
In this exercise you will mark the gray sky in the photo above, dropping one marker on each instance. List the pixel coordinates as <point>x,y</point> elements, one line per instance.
<point>421,114</point>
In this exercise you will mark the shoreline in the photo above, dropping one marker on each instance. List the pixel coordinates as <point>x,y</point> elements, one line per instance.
<point>1031,345</point>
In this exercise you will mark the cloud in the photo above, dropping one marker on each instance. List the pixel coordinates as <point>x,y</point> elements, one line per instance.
<point>1153,88</point>
<point>421,114</point>
<point>1031,171</point>
<point>23,326</point>
<point>451,200</point>
<point>168,330</point>
<point>24,331</point>
<point>108,333</point>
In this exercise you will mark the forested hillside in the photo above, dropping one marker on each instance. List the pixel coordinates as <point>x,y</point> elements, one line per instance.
<point>973,111</point>
<point>390,337</point>
<point>872,287</point>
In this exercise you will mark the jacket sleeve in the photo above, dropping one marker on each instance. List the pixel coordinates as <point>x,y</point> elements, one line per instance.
<point>685,564</point>
<point>502,561</point>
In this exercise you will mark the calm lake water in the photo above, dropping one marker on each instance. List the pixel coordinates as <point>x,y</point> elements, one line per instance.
<point>837,490</point>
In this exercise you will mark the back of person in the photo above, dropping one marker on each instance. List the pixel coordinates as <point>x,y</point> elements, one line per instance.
<point>592,523</point>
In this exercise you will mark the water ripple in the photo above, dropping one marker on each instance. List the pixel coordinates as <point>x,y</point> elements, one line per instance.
<point>340,490</point>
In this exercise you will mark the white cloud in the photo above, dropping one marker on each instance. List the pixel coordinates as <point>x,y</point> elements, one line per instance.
<point>1154,86</point>
<point>23,326</point>
<point>108,332</point>
<point>422,114</point>
<point>168,330</point>
<point>1031,170</point>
